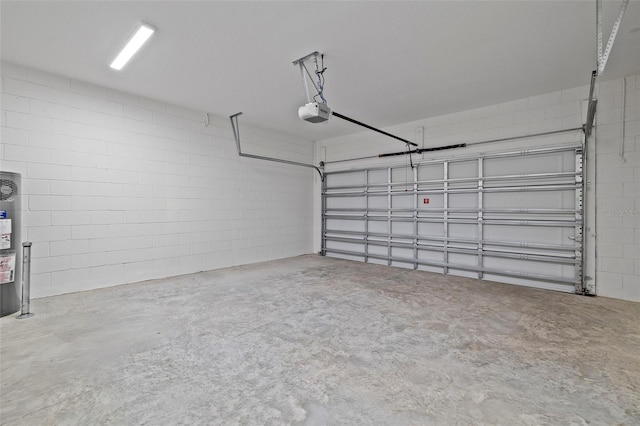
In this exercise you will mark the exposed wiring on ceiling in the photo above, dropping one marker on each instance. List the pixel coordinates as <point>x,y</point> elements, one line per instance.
<point>320,76</point>
<point>319,72</point>
<point>315,86</point>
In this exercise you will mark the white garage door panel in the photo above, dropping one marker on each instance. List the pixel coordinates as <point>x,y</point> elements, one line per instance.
<point>522,234</point>
<point>401,228</point>
<point>463,231</point>
<point>342,227</point>
<point>514,217</point>
<point>345,179</point>
<point>463,201</point>
<point>378,227</point>
<point>344,246</point>
<point>430,230</point>
<point>430,172</point>
<point>378,203</point>
<point>462,169</point>
<point>347,202</point>
<point>540,163</point>
<point>530,200</point>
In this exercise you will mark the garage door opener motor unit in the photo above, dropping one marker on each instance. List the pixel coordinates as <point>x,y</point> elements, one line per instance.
<point>316,109</point>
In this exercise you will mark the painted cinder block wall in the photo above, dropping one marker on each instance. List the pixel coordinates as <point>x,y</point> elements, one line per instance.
<point>613,194</point>
<point>617,169</point>
<point>118,188</point>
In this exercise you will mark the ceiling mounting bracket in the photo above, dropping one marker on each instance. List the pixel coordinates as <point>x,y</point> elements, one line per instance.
<point>603,56</point>
<point>236,134</point>
<point>304,58</point>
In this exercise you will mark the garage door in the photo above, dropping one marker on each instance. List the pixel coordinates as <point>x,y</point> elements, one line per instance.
<point>513,217</point>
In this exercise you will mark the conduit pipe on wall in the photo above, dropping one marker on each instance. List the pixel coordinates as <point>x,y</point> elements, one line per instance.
<point>623,113</point>
<point>236,135</point>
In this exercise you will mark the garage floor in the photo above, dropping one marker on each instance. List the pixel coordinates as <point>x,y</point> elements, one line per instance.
<point>313,340</point>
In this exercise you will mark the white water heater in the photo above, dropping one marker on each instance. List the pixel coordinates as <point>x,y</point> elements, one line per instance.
<point>10,242</point>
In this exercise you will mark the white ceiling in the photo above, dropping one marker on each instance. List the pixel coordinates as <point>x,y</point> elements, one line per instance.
<point>388,62</point>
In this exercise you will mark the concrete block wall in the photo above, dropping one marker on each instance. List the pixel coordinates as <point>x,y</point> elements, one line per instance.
<point>617,149</point>
<point>118,188</point>
<point>612,203</point>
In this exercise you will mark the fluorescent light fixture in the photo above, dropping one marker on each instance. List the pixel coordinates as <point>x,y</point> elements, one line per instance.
<point>136,42</point>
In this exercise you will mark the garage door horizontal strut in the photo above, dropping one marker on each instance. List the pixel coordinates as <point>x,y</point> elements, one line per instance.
<point>236,135</point>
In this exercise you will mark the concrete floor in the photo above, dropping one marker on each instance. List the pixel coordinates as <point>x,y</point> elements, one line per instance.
<point>313,340</point>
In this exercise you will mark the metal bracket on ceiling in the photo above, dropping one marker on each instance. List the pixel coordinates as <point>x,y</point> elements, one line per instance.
<point>304,58</point>
<point>603,57</point>
<point>303,69</point>
<point>236,135</point>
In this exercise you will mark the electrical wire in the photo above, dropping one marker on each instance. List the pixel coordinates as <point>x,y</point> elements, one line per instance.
<point>319,89</point>
<point>320,79</point>
<point>323,70</point>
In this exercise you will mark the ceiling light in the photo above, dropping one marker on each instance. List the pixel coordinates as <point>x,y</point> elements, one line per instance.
<point>139,38</point>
